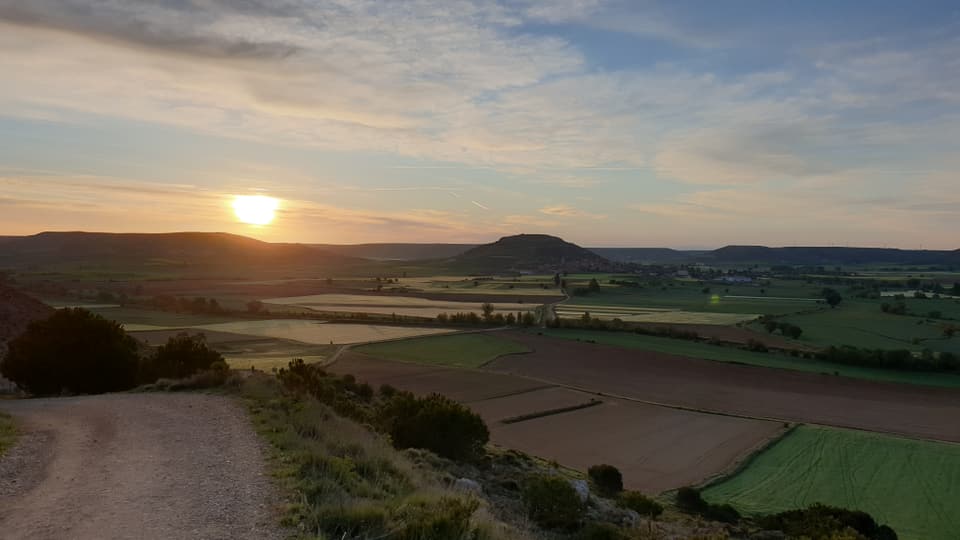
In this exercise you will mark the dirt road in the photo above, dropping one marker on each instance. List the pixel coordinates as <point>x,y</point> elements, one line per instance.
<point>134,466</point>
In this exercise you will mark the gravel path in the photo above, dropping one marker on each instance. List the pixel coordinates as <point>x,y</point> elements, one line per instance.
<point>135,466</point>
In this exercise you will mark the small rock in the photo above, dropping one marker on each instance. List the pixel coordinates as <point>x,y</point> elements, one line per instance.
<point>467,485</point>
<point>582,489</point>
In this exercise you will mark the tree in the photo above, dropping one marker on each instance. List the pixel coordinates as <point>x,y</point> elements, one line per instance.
<point>255,306</point>
<point>487,309</point>
<point>183,355</point>
<point>832,297</point>
<point>594,285</point>
<point>74,351</point>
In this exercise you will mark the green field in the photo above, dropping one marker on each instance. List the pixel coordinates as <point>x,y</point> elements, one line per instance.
<point>169,319</point>
<point>911,485</point>
<point>460,350</point>
<point>861,323</point>
<point>8,433</point>
<point>779,297</point>
<point>706,351</point>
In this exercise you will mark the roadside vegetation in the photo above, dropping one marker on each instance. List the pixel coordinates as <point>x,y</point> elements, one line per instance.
<point>78,352</point>
<point>8,433</point>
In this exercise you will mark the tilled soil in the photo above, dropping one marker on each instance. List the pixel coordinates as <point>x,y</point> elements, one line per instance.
<point>135,466</point>
<point>915,411</point>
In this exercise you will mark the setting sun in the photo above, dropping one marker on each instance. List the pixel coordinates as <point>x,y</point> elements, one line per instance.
<point>255,209</point>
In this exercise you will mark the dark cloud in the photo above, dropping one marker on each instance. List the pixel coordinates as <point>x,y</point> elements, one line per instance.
<point>170,27</point>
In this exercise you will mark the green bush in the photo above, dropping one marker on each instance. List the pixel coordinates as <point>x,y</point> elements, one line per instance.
<point>182,356</point>
<point>606,479</point>
<point>822,521</point>
<point>435,423</point>
<point>552,502</point>
<point>689,500</point>
<point>447,518</point>
<point>74,351</point>
<point>722,512</point>
<point>640,503</point>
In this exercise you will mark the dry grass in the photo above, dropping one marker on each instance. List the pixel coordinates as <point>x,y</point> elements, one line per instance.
<point>344,480</point>
<point>8,432</point>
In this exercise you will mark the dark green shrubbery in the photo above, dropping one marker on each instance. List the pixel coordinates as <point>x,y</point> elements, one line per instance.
<point>182,356</point>
<point>689,500</point>
<point>552,502</point>
<point>436,423</point>
<point>822,521</point>
<point>640,503</point>
<point>606,479</point>
<point>74,351</point>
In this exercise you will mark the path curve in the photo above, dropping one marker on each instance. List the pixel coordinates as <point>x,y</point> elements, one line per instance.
<point>135,466</point>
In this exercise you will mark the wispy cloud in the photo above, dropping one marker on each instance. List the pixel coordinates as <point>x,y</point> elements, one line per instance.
<point>567,211</point>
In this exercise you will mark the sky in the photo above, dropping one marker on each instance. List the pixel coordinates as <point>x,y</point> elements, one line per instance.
<point>689,124</point>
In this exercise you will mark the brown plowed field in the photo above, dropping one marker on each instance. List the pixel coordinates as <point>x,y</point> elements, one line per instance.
<point>657,448</point>
<point>679,381</point>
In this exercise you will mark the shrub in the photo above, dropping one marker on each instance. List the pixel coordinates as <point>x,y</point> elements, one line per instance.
<point>436,423</point>
<point>182,356</point>
<point>640,503</point>
<point>722,512</point>
<point>607,479</point>
<point>447,518</point>
<point>822,521</point>
<point>552,502</point>
<point>359,521</point>
<point>74,351</point>
<point>689,500</point>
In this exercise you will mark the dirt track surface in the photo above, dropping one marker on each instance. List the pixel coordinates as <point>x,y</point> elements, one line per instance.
<point>706,385</point>
<point>134,466</point>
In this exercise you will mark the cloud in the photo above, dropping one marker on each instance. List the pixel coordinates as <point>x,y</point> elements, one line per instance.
<point>566,211</point>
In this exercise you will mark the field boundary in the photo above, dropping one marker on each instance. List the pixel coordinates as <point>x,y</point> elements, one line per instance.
<point>550,412</point>
<point>749,457</point>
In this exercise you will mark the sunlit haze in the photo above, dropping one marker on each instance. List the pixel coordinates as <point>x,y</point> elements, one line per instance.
<point>621,123</point>
<point>255,209</point>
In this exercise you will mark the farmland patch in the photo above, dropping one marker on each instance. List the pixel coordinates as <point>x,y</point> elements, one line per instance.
<point>911,485</point>
<point>460,350</point>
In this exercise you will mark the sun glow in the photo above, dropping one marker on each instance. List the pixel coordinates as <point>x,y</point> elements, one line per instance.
<point>255,209</point>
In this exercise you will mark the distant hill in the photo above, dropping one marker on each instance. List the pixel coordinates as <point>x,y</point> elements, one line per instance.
<point>531,252</point>
<point>193,252</point>
<point>648,255</point>
<point>397,252</point>
<point>830,256</point>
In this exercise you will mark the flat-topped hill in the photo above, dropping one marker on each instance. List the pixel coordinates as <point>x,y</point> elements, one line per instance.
<point>532,252</point>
